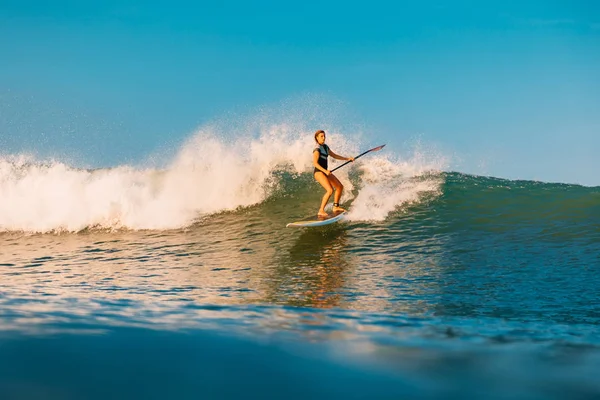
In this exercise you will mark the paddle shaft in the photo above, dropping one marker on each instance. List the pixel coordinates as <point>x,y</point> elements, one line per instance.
<point>358,156</point>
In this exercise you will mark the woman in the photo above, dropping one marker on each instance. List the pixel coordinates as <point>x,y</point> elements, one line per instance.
<point>324,176</point>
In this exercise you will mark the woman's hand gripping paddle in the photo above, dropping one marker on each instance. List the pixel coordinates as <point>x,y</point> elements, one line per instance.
<point>360,155</point>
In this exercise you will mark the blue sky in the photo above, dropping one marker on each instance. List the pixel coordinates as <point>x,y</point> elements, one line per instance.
<point>506,88</point>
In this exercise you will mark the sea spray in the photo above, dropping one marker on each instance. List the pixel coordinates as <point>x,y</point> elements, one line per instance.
<point>209,174</point>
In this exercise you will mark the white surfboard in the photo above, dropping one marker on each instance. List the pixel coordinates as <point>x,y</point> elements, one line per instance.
<point>318,221</point>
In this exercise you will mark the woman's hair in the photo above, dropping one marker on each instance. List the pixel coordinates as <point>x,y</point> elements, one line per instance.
<point>317,133</point>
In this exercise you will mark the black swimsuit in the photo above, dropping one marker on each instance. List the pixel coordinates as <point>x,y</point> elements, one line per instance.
<point>323,154</point>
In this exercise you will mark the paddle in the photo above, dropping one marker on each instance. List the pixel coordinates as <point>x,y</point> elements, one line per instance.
<point>362,154</point>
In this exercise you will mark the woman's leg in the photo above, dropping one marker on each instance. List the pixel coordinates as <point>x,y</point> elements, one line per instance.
<point>322,179</point>
<point>339,188</point>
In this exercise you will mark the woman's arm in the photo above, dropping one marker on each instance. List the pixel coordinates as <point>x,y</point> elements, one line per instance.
<point>316,162</point>
<point>338,157</point>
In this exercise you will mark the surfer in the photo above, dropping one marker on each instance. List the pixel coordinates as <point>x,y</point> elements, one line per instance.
<point>324,176</point>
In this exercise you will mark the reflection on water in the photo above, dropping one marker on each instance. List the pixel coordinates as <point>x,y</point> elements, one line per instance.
<point>409,265</point>
<point>417,263</point>
<point>218,262</point>
<point>311,273</point>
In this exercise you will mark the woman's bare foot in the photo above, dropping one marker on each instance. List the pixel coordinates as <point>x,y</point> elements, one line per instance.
<point>338,209</point>
<point>322,214</point>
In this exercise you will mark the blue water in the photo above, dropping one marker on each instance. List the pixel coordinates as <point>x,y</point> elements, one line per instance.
<point>483,288</point>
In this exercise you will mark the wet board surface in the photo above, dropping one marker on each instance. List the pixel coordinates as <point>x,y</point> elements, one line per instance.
<point>318,221</point>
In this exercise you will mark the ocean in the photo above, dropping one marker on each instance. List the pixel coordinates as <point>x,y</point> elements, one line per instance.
<point>182,281</point>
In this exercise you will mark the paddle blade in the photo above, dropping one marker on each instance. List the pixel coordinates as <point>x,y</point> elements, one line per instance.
<point>378,148</point>
<point>368,151</point>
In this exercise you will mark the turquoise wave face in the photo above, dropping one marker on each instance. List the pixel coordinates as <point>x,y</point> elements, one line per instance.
<point>465,203</point>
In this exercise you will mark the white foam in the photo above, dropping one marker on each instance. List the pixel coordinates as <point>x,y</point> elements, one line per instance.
<point>389,183</point>
<point>209,174</point>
